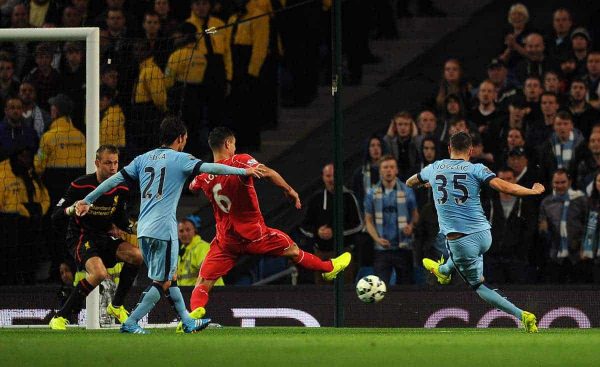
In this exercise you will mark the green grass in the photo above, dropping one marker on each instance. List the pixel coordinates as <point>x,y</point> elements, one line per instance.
<point>302,347</point>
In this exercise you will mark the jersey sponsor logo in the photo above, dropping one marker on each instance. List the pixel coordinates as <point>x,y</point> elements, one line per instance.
<point>252,162</point>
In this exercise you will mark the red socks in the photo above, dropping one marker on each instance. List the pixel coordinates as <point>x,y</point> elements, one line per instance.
<point>311,262</point>
<point>199,297</point>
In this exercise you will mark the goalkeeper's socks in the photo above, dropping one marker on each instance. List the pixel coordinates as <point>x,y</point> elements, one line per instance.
<point>311,262</point>
<point>126,278</point>
<point>77,296</point>
<point>176,299</point>
<point>149,298</point>
<point>199,297</point>
<point>492,297</point>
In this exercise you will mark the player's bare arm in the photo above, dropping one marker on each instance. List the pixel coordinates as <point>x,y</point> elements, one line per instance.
<point>506,187</point>
<point>414,182</point>
<point>279,181</point>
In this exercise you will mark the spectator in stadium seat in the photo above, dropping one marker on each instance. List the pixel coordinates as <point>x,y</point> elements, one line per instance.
<point>518,18</point>
<point>46,79</point>
<point>102,20</point>
<point>187,93</point>
<point>44,13</point>
<point>532,90</point>
<point>218,72</point>
<point>562,223</point>
<point>514,139</point>
<point>367,175</point>
<point>112,121</point>
<point>506,88</point>
<point>83,9</point>
<point>318,222</point>
<point>583,170</point>
<point>559,41</point>
<point>430,152</point>
<point>154,34</point>
<point>399,143</point>
<point>498,130</point>
<point>539,130</point>
<point>192,251</point>
<point>390,216</point>
<point>71,17</point>
<point>14,132</point>
<point>34,116</point>
<point>584,115</point>
<point>168,23</point>
<point>513,221</point>
<point>525,174</point>
<point>535,61</point>
<point>552,82</point>
<point>9,85</point>
<point>485,113</point>
<point>149,101</point>
<point>453,109</point>
<point>453,82</point>
<point>72,71</point>
<point>592,78</point>
<point>20,19</point>
<point>428,127</point>
<point>249,50</point>
<point>580,45</point>
<point>23,202</point>
<point>558,150</point>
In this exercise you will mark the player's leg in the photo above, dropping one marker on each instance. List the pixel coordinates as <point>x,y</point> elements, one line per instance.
<point>86,255</point>
<point>218,262</point>
<point>153,252</point>
<point>132,258</point>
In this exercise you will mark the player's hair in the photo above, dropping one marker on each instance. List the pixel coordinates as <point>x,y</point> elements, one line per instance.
<point>563,115</point>
<point>461,142</point>
<point>171,128</point>
<point>106,148</point>
<point>218,136</point>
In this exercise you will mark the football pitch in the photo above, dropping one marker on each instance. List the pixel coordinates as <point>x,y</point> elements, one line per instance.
<point>295,346</point>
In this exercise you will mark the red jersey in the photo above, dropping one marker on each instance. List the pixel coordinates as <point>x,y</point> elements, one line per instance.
<point>234,201</point>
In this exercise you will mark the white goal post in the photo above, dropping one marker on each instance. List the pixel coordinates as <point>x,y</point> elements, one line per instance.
<point>91,36</point>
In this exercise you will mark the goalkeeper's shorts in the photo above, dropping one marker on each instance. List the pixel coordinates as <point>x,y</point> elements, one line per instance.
<point>90,245</point>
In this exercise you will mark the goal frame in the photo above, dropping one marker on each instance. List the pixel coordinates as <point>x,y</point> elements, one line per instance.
<point>91,36</point>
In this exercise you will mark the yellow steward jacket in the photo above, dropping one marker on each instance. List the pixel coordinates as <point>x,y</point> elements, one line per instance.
<point>62,146</point>
<point>255,34</point>
<point>112,127</point>
<point>190,262</point>
<point>265,6</point>
<point>219,41</point>
<point>150,85</point>
<point>186,64</point>
<point>13,192</point>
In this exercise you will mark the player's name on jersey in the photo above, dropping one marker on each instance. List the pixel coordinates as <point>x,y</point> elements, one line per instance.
<point>461,166</point>
<point>156,157</point>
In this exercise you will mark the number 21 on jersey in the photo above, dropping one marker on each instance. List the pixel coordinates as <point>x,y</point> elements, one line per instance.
<point>441,182</point>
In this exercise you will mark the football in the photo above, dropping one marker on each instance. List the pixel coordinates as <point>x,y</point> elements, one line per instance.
<point>370,289</point>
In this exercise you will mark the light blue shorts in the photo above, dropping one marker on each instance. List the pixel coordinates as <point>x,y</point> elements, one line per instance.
<point>160,256</point>
<point>467,254</point>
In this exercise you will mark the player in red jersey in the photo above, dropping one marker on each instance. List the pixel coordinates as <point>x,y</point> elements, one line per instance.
<point>241,228</point>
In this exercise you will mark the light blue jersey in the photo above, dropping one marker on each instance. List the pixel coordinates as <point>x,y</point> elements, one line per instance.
<point>161,174</point>
<point>456,185</point>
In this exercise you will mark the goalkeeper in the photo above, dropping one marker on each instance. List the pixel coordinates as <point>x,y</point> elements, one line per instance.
<point>94,240</point>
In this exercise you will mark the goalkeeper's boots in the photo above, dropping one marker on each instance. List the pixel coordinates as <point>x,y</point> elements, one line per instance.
<point>133,328</point>
<point>195,325</point>
<point>339,263</point>
<point>529,322</point>
<point>119,313</point>
<point>434,268</point>
<point>198,313</point>
<point>59,323</point>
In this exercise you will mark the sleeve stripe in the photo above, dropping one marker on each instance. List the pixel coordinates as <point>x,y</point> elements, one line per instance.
<point>488,179</point>
<point>196,169</point>
<point>126,176</point>
<point>420,178</point>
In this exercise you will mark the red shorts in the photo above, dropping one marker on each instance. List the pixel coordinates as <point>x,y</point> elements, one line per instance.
<point>222,256</point>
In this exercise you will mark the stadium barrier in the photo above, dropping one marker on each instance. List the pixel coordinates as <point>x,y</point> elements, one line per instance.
<point>313,306</point>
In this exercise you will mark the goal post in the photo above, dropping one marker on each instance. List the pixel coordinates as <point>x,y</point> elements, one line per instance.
<point>91,36</point>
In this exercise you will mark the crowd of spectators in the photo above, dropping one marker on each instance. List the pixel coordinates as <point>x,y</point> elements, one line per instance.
<point>534,118</point>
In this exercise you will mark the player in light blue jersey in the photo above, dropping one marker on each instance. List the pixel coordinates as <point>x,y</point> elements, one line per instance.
<point>456,184</point>
<point>161,174</point>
